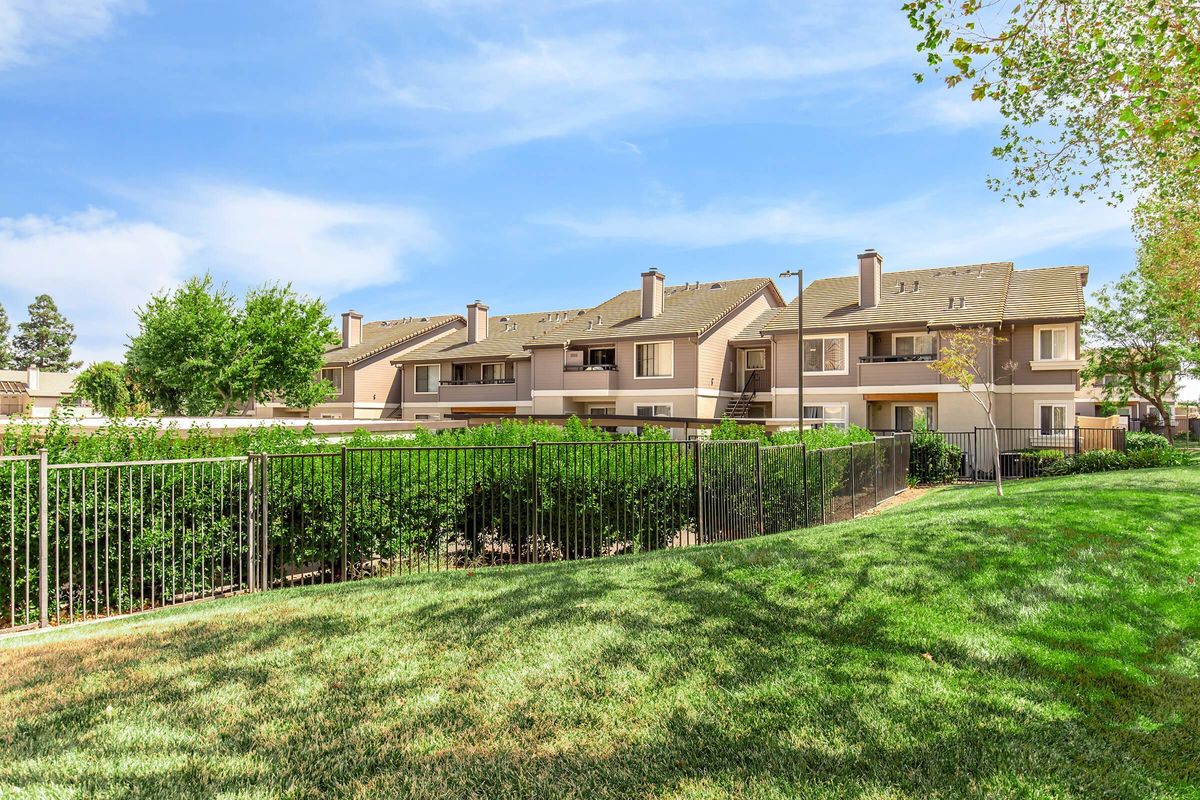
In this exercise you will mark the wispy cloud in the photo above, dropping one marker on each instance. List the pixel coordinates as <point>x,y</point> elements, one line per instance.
<point>254,234</point>
<point>99,267</point>
<point>926,229</point>
<point>493,89</point>
<point>32,29</point>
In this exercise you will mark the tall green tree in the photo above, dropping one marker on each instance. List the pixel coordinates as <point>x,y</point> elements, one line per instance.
<point>7,358</point>
<point>44,340</point>
<point>1099,95</point>
<point>1137,346</point>
<point>198,352</point>
<point>1169,256</point>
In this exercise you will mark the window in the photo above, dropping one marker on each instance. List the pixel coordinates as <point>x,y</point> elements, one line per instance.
<point>427,376</point>
<point>652,411</point>
<point>458,373</point>
<point>907,416</point>
<point>913,344</point>
<point>493,372</point>
<point>1052,417</point>
<point>655,360</point>
<point>334,376</point>
<point>756,360</point>
<point>601,411</point>
<point>825,354</point>
<point>833,414</point>
<point>601,356</point>
<point>1053,343</point>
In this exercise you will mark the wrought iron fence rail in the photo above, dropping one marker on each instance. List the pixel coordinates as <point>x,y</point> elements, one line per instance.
<point>85,541</point>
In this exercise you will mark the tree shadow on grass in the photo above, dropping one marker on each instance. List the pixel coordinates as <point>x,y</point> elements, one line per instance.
<point>791,665</point>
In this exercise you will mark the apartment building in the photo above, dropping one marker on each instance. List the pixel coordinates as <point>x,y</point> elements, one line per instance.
<point>482,368</point>
<point>33,392</point>
<point>653,351</point>
<point>869,339</point>
<point>360,366</point>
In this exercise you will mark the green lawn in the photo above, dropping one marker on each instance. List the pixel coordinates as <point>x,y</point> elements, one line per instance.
<point>1043,645</point>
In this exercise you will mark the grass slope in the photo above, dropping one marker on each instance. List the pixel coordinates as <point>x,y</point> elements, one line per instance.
<point>1044,645</point>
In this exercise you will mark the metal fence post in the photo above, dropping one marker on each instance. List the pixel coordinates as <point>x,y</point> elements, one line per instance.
<point>533,477</point>
<point>758,483</point>
<point>699,491</point>
<point>1076,440</point>
<point>345,514</point>
<point>804,481</point>
<point>264,524</point>
<point>251,576</point>
<point>43,539</point>
<point>853,486</point>
<point>876,472</point>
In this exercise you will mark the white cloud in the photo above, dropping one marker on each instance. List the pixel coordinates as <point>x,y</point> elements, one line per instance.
<point>97,268</point>
<point>29,28</point>
<point>916,231</point>
<point>252,235</point>
<point>540,85</point>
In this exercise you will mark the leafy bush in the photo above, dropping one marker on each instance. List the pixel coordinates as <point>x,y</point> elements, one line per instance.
<point>934,458</point>
<point>821,438</point>
<point>1144,440</point>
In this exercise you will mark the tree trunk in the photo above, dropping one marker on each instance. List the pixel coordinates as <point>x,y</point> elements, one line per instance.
<point>1168,423</point>
<point>996,456</point>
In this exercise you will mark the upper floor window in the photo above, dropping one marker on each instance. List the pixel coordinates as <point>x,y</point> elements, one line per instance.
<point>427,377</point>
<point>756,360</point>
<point>655,360</point>
<point>334,376</point>
<point>601,356</point>
<point>913,344</point>
<point>492,372</point>
<point>1054,343</point>
<point>825,354</point>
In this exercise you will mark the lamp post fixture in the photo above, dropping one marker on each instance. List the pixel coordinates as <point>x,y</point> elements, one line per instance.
<point>799,275</point>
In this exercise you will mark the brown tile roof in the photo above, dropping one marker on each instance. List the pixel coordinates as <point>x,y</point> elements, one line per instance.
<point>507,336</point>
<point>753,331</point>
<point>1048,293</point>
<point>687,309</point>
<point>378,337</point>
<point>990,293</point>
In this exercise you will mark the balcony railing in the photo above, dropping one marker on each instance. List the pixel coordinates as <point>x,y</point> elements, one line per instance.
<point>590,368</point>
<point>896,359</point>
<point>489,382</point>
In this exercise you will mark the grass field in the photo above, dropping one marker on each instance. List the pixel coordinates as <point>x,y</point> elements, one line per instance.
<point>1043,645</point>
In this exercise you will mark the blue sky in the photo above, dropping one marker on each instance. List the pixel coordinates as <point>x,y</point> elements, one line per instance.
<point>407,158</point>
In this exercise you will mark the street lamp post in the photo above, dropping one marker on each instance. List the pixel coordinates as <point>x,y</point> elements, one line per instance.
<point>799,275</point>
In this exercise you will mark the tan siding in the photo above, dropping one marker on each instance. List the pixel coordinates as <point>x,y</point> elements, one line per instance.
<point>715,357</point>
<point>785,362</point>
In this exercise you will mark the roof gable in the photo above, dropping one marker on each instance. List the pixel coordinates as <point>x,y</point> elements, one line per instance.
<point>383,335</point>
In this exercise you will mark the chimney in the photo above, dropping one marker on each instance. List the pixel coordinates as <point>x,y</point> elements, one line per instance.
<point>652,293</point>
<point>34,379</point>
<point>870,268</point>
<point>477,322</point>
<point>351,328</point>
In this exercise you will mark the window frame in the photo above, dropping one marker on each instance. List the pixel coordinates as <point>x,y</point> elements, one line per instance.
<point>842,421</point>
<point>670,407</point>
<point>746,359</point>
<point>1068,409</point>
<point>340,385</point>
<point>503,372</point>
<point>931,421</point>
<point>604,411</point>
<point>1068,342</point>
<point>432,382</point>
<point>612,348</point>
<point>670,360</point>
<point>845,338</point>
<point>933,342</point>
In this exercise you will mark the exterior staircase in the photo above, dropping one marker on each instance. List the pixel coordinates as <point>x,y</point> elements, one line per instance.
<point>739,407</point>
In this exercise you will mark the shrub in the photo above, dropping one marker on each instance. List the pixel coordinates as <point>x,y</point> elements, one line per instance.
<point>934,459</point>
<point>1144,440</point>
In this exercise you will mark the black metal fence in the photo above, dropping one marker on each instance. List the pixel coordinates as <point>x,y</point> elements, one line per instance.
<point>93,540</point>
<point>1024,452</point>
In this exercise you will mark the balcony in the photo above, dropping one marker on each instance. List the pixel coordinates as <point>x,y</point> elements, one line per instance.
<point>896,370</point>
<point>589,377</point>
<point>465,391</point>
<point>896,359</point>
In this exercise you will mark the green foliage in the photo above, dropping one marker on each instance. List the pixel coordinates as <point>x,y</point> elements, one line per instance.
<point>107,387</point>
<point>1098,94</point>
<point>44,340</point>
<point>1136,343</point>
<point>934,458</point>
<point>7,357</point>
<point>1144,440</point>
<point>826,436</point>
<point>197,352</point>
<point>1110,460</point>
